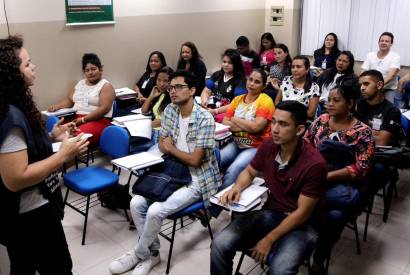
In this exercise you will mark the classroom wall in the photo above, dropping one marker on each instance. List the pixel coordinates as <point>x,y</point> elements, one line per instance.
<point>141,27</point>
<point>289,33</point>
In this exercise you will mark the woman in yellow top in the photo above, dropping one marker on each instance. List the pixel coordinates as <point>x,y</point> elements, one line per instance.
<point>249,116</point>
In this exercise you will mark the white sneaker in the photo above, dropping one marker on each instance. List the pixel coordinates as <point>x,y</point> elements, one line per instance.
<point>144,267</point>
<point>124,263</point>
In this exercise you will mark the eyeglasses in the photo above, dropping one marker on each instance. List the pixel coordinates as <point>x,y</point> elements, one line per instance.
<point>177,87</point>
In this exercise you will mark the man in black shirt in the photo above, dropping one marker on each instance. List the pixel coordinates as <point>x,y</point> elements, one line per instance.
<point>377,112</point>
<point>385,120</point>
<point>250,59</point>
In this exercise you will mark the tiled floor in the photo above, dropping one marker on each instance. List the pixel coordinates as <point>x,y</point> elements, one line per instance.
<point>387,251</point>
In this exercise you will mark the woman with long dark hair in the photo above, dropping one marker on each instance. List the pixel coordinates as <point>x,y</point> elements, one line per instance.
<point>325,56</point>
<point>300,87</point>
<point>144,85</point>
<point>158,100</point>
<point>278,70</point>
<point>30,196</point>
<point>191,60</point>
<point>224,84</point>
<point>341,74</point>
<point>266,50</point>
<point>348,146</point>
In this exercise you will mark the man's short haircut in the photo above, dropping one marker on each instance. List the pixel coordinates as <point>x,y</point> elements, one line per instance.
<point>387,34</point>
<point>189,78</point>
<point>242,41</point>
<point>296,109</point>
<point>376,75</point>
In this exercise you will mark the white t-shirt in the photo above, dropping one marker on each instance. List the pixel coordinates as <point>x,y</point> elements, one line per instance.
<point>182,144</point>
<point>14,142</point>
<point>390,61</point>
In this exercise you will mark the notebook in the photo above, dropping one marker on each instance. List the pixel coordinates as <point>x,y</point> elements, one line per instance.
<point>138,161</point>
<point>250,197</point>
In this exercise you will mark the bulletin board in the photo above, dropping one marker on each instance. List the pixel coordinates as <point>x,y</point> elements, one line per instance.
<point>89,12</point>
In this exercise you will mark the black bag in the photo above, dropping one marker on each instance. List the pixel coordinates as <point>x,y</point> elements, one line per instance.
<point>115,197</point>
<point>162,180</point>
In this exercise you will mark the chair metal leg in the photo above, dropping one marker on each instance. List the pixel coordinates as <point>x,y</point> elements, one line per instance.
<point>327,263</point>
<point>182,222</point>
<point>356,233</point>
<point>368,212</point>
<point>208,224</point>
<point>171,246</point>
<point>88,158</point>
<point>387,200</point>
<point>126,214</point>
<point>66,196</point>
<point>238,267</point>
<point>85,219</point>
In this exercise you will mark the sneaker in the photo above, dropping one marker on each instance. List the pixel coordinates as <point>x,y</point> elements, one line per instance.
<point>124,263</point>
<point>144,267</point>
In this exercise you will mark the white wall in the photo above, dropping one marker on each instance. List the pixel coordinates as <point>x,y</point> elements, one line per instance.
<point>23,11</point>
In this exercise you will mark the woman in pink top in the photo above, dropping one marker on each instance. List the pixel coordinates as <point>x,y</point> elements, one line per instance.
<point>266,51</point>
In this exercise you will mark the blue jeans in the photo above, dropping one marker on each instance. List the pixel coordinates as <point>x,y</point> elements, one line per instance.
<point>234,160</point>
<point>244,232</point>
<point>341,206</point>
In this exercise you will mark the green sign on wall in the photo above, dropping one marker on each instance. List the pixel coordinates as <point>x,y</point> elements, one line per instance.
<point>88,12</point>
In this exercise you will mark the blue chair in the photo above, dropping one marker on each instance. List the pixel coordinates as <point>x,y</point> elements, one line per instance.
<point>50,122</point>
<point>189,210</point>
<point>88,181</point>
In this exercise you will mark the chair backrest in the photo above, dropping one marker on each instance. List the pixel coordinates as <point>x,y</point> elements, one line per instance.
<point>50,122</point>
<point>114,109</point>
<point>115,142</point>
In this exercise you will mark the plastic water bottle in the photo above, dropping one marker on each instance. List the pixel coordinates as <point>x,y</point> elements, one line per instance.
<point>324,64</point>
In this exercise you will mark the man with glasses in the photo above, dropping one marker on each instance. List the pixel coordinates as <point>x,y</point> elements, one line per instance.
<point>187,133</point>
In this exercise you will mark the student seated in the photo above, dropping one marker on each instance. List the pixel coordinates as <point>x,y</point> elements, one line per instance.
<point>278,70</point>
<point>374,110</point>
<point>250,59</point>
<point>158,100</point>
<point>295,174</point>
<point>249,117</point>
<point>348,147</point>
<point>325,57</point>
<point>266,51</point>
<point>187,133</point>
<point>385,61</point>
<point>191,60</point>
<point>144,85</point>
<point>341,74</point>
<point>92,97</point>
<point>224,84</point>
<point>300,87</point>
<point>385,121</point>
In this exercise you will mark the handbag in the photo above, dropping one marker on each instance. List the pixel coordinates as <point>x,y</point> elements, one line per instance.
<point>158,183</point>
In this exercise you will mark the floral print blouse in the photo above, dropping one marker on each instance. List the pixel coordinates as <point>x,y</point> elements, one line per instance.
<point>359,136</point>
